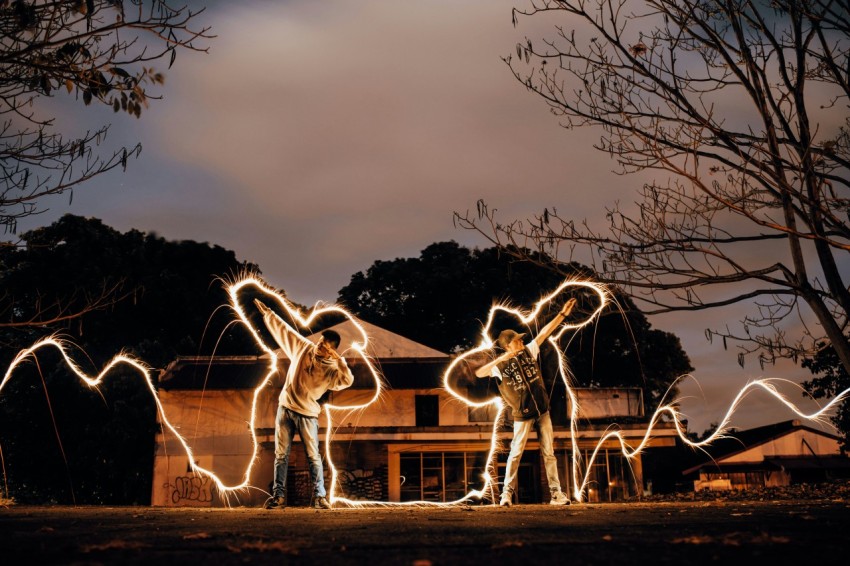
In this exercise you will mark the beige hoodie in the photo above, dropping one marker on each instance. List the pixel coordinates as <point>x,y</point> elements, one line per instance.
<point>309,377</point>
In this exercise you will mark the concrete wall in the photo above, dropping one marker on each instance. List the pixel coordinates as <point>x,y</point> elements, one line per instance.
<point>396,408</point>
<point>215,425</point>
<point>609,402</point>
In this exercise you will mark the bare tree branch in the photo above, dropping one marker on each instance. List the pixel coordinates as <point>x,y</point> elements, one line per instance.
<point>742,104</point>
<point>95,50</point>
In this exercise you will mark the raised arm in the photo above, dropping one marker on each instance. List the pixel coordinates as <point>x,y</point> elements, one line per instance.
<point>487,369</point>
<point>286,337</point>
<point>341,377</point>
<point>550,327</point>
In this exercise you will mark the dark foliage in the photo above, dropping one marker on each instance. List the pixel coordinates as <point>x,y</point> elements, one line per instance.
<point>442,298</point>
<point>831,379</point>
<point>62,441</point>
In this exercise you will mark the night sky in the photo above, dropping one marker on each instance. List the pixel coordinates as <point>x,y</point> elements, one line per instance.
<point>317,137</point>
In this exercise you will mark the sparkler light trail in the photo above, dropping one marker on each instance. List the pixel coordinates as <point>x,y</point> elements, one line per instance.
<point>629,452</point>
<point>94,381</point>
<point>358,346</point>
<point>455,374</point>
<point>295,315</point>
<point>461,367</point>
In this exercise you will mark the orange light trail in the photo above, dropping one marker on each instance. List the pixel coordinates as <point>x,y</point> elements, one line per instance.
<point>94,382</point>
<point>358,346</point>
<point>486,344</point>
<point>581,477</point>
<point>629,452</point>
<point>490,483</point>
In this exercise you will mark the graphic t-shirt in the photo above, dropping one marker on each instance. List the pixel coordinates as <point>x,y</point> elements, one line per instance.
<point>521,384</point>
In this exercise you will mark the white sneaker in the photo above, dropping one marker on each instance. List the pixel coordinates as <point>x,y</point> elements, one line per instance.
<point>558,498</point>
<point>505,501</point>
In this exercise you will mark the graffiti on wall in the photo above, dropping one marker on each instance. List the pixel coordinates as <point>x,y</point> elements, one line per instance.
<point>191,489</point>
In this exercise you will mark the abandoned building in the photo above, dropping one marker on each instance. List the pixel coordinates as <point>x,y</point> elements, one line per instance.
<point>416,442</point>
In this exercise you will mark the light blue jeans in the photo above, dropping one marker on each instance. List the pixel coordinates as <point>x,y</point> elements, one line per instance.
<point>545,437</point>
<point>287,424</point>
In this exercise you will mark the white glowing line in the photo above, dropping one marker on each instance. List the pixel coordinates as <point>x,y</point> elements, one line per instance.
<point>766,384</point>
<point>358,346</point>
<point>489,481</point>
<point>486,344</point>
<point>527,318</point>
<point>581,478</point>
<point>94,382</point>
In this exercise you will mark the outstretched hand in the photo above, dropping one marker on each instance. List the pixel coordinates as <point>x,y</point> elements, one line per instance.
<point>262,306</point>
<point>568,307</point>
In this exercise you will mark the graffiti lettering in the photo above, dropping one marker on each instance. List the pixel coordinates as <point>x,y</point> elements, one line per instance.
<point>191,488</point>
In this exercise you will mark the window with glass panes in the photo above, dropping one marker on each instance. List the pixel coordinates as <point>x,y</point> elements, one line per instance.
<point>440,476</point>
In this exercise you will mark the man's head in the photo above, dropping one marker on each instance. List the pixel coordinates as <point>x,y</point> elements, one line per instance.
<point>328,344</point>
<point>332,337</point>
<point>510,340</point>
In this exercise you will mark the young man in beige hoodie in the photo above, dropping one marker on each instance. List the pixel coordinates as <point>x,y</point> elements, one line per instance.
<point>314,369</point>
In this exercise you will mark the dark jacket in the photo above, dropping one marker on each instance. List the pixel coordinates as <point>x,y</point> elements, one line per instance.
<point>521,386</point>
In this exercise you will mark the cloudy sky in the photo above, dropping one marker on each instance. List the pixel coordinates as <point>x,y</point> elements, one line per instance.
<point>317,137</point>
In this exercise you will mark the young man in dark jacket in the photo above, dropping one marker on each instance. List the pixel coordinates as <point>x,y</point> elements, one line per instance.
<point>521,386</point>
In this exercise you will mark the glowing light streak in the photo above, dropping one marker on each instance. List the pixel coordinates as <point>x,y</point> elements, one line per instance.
<point>358,346</point>
<point>456,367</point>
<point>94,382</point>
<point>581,478</point>
<point>766,384</point>
<point>486,345</point>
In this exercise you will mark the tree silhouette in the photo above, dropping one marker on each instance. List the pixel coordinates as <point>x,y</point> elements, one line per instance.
<point>830,379</point>
<point>96,446</point>
<point>442,299</point>
<point>740,109</point>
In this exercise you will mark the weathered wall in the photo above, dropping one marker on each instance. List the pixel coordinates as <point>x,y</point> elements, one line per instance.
<point>797,443</point>
<point>396,408</point>
<point>215,425</point>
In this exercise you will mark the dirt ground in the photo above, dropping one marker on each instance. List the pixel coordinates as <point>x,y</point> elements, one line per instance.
<point>812,532</point>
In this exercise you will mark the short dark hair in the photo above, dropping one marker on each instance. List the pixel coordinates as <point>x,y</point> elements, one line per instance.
<point>332,336</point>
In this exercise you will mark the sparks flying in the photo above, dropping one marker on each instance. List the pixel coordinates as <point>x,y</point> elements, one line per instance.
<point>454,376</point>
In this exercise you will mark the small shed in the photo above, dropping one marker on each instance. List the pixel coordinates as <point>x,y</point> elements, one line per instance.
<point>775,455</point>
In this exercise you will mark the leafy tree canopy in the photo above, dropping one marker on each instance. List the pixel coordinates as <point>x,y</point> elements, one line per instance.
<point>442,299</point>
<point>170,307</point>
<point>97,51</point>
<point>831,378</point>
<point>735,114</point>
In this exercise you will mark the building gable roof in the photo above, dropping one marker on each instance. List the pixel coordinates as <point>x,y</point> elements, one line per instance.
<point>739,441</point>
<point>383,344</point>
<point>402,361</point>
